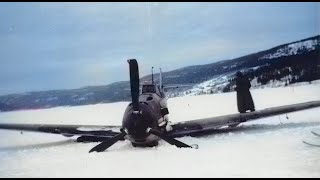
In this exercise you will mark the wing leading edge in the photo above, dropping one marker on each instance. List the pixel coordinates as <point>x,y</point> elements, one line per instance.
<point>65,130</point>
<point>193,127</point>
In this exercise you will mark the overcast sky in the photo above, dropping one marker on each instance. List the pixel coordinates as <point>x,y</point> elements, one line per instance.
<point>48,46</point>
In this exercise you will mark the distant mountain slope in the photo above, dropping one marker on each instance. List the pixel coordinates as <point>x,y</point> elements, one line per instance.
<point>290,63</point>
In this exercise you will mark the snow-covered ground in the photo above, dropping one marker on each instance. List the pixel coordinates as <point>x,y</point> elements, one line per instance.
<point>269,147</point>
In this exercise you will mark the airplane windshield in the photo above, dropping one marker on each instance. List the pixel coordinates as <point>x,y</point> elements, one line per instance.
<point>148,89</point>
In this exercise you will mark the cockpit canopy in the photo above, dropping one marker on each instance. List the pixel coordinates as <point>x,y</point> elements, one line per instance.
<point>151,88</point>
<point>148,88</point>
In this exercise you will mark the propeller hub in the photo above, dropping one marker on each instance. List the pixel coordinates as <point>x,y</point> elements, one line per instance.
<point>137,126</point>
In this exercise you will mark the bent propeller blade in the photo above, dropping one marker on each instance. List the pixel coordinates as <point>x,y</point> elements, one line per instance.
<point>170,140</point>
<point>106,144</point>
<point>134,83</point>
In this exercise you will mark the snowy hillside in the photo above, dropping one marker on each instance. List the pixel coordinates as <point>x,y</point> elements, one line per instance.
<point>216,85</point>
<point>262,68</point>
<point>269,147</point>
<point>293,49</point>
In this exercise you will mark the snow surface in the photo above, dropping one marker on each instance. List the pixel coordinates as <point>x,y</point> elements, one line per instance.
<point>270,147</point>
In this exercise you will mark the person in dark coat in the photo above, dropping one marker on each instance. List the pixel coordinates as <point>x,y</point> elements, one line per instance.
<point>244,98</point>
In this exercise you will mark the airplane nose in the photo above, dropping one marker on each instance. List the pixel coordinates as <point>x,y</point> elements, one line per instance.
<point>137,126</point>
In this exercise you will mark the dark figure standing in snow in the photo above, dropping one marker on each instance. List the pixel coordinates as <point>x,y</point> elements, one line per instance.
<point>244,98</point>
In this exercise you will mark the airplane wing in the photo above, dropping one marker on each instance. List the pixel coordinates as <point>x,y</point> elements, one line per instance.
<point>194,127</point>
<point>186,128</point>
<point>66,130</point>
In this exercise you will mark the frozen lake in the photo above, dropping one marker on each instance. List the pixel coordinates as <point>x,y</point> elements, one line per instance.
<point>269,147</point>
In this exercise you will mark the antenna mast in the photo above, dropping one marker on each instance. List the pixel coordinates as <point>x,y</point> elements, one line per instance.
<point>152,74</point>
<point>160,77</point>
